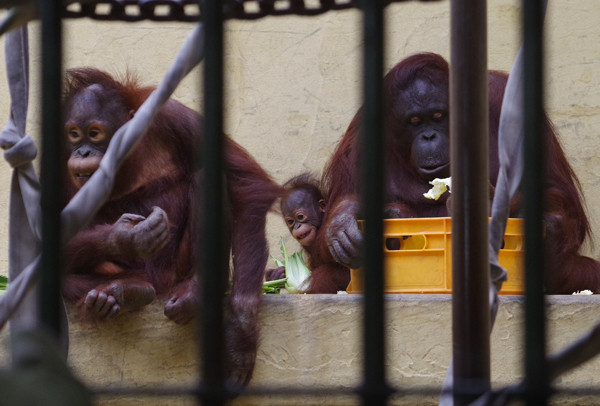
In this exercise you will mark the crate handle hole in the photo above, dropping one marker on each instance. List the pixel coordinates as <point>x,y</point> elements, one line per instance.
<point>405,242</point>
<point>512,242</point>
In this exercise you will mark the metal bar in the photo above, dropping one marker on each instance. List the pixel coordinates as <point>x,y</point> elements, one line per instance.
<point>470,199</point>
<point>375,390</point>
<point>213,272</point>
<point>140,10</point>
<point>536,378</point>
<point>51,39</point>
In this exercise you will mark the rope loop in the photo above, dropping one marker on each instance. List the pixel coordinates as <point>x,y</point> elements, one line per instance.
<point>20,153</point>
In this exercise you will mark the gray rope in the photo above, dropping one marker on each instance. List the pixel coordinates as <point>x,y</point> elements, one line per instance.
<point>25,212</point>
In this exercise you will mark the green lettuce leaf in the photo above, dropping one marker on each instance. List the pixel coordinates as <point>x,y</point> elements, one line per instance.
<point>296,273</point>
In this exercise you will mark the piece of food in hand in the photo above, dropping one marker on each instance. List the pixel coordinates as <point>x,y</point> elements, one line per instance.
<point>440,186</point>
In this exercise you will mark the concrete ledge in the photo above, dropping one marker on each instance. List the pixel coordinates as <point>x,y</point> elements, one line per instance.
<point>311,341</point>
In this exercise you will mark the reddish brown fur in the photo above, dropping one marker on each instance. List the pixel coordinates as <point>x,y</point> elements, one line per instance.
<point>172,184</point>
<point>566,222</point>
<point>327,276</point>
<point>175,130</point>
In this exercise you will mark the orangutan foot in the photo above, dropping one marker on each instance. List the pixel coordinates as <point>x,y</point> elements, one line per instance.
<point>123,295</point>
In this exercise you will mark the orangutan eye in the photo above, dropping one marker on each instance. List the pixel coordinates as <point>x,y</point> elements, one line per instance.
<point>438,116</point>
<point>415,120</point>
<point>97,134</point>
<point>74,135</point>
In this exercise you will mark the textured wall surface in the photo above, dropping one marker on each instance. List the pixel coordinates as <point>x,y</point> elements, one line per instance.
<point>313,341</point>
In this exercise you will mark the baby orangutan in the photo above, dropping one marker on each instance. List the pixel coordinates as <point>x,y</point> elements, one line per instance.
<point>303,209</point>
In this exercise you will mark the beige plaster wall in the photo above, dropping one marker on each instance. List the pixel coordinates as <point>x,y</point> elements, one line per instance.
<point>314,341</point>
<point>293,83</point>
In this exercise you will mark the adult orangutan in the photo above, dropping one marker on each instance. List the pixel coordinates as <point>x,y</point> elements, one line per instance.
<point>302,207</point>
<point>418,150</point>
<point>141,244</point>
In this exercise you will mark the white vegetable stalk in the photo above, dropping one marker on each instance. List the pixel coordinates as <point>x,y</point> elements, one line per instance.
<point>296,271</point>
<point>440,186</point>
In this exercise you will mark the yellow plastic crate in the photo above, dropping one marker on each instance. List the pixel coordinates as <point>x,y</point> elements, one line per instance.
<point>418,257</point>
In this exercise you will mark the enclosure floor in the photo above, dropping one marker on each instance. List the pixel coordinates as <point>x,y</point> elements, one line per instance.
<point>313,341</point>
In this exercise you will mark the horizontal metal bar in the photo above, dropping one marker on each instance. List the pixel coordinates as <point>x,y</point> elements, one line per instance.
<point>187,10</point>
<point>258,391</point>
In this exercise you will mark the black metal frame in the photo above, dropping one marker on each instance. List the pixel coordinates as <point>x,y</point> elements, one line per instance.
<point>537,386</point>
<point>470,201</point>
<point>212,382</point>
<point>51,39</point>
<point>470,309</point>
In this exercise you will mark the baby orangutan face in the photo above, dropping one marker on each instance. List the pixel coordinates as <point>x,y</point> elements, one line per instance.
<point>303,213</point>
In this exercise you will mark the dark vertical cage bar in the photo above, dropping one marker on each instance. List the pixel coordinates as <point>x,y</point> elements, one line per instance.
<point>470,199</point>
<point>212,271</point>
<point>51,40</point>
<point>375,390</point>
<point>536,376</point>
